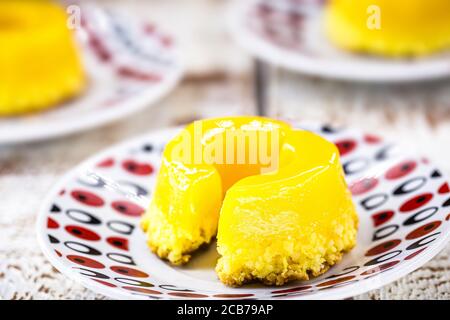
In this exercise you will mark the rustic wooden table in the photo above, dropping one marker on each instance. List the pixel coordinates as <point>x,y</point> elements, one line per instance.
<point>219,81</point>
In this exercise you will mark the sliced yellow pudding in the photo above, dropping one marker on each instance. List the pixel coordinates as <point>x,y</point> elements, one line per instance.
<point>39,62</point>
<point>389,28</point>
<point>276,195</point>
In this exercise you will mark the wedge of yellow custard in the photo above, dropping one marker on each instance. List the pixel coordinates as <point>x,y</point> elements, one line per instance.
<point>280,202</point>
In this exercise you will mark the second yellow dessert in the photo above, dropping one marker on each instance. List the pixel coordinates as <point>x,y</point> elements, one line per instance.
<point>39,62</point>
<point>392,28</point>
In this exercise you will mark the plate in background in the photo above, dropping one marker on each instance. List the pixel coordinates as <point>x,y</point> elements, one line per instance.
<point>130,65</point>
<point>290,34</point>
<point>88,226</point>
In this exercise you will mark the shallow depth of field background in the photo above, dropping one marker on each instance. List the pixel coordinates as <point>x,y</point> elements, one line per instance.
<point>219,81</point>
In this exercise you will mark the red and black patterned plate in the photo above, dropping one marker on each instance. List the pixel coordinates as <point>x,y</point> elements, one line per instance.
<point>88,226</point>
<point>130,64</point>
<point>289,33</point>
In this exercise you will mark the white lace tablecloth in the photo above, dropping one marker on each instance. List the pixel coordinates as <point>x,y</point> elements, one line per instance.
<point>218,83</point>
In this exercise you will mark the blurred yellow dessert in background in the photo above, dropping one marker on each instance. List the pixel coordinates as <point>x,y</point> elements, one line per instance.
<point>280,201</point>
<point>389,27</point>
<point>39,62</point>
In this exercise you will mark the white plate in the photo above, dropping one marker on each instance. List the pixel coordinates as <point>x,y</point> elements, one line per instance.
<point>88,226</point>
<point>130,65</point>
<point>290,34</point>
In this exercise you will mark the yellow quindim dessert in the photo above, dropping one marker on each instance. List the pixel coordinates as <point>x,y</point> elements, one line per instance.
<point>406,27</point>
<point>39,62</point>
<point>293,220</point>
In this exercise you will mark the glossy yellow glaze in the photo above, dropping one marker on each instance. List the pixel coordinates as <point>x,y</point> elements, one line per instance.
<point>288,220</point>
<point>39,62</point>
<point>407,27</point>
<point>290,224</point>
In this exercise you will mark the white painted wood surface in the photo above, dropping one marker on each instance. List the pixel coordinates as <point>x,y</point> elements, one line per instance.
<point>219,82</point>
